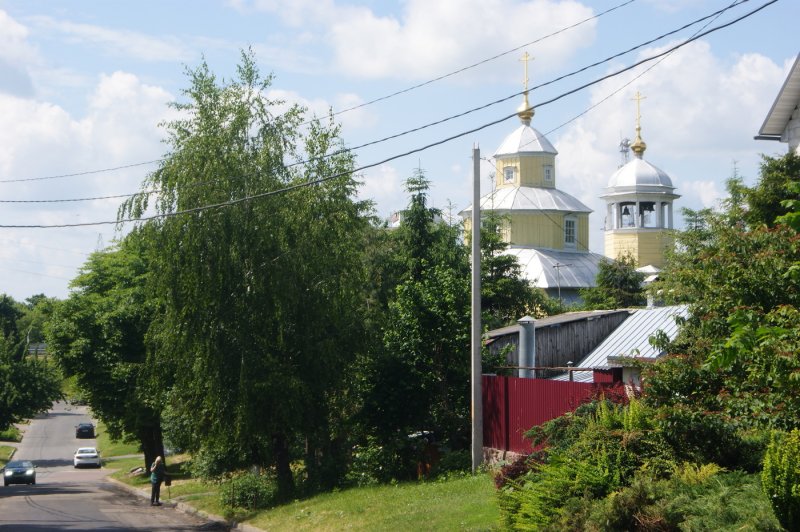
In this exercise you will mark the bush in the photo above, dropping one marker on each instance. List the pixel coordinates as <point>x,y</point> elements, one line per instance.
<point>780,478</point>
<point>209,464</point>
<point>251,491</point>
<point>374,463</point>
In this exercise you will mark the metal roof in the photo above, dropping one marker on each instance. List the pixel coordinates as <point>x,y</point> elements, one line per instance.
<point>558,319</point>
<point>577,269</point>
<point>784,105</point>
<point>525,139</point>
<point>641,173</point>
<point>533,199</point>
<point>631,338</point>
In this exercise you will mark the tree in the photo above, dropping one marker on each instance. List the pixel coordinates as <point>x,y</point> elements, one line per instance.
<point>619,285</point>
<point>260,311</point>
<point>98,335</point>
<point>28,385</point>
<point>420,383</point>
<point>739,350</point>
<point>765,199</point>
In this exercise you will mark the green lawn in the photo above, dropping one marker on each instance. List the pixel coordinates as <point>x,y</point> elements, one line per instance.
<point>12,433</point>
<point>109,448</point>
<point>466,503</point>
<point>5,453</point>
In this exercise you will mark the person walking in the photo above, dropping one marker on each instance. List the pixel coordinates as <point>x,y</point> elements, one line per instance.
<point>157,471</point>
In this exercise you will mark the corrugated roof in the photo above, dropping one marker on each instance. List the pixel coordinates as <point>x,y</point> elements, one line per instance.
<point>558,319</point>
<point>631,338</point>
<point>577,270</point>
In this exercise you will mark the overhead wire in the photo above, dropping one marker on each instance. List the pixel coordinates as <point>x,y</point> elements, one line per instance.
<point>617,91</point>
<point>715,15</point>
<point>376,100</point>
<point>404,154</point>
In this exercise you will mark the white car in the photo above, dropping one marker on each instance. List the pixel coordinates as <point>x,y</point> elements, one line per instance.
<point>86,456</point>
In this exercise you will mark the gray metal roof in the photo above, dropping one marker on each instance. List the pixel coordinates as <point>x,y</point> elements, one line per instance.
<point>640,173</point>
<point>784,105</point>
<point>632,339</point>
<point>578,269</point>
<point>533,199</point>
<point>558,319</point>
<point>524,139</point>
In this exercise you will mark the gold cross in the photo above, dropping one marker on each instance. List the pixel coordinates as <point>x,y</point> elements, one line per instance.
<point>525,58</point>
<point>638,97</point>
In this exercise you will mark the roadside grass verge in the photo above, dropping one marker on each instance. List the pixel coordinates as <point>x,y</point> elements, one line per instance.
<point>109,448</point>
<point>461,503</point>
<point>465,503</point>
<point>5,453</point>
<point>12,433</point>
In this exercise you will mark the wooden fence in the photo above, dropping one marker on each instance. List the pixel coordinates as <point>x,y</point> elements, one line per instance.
<point>512,405</point>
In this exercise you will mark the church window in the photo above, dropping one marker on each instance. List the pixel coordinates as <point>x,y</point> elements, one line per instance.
<point>548,173</point>
<point>569,233</point>
<point>508,174</point>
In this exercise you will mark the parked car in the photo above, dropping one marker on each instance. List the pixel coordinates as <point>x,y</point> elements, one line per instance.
<point>84,430</point>
<point>86,456</point>
<point>19,472</point>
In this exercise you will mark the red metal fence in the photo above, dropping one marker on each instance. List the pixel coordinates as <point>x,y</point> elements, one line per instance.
<point>512,405</point>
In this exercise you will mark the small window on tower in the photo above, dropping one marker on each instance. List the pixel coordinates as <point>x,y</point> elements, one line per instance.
<point>508,174</point>
<point>548,173</point>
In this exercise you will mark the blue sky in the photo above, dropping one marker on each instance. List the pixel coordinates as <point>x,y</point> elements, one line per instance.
<point>84,84</point>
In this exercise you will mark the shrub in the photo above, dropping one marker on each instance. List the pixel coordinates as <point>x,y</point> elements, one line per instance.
<point>209,464</point>
<point>780,478</point>
<point>251,491</point>
<point>453,462</point>
<point>374,463</point>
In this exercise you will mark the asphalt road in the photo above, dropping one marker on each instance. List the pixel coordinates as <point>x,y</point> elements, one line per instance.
<point>65,498</point>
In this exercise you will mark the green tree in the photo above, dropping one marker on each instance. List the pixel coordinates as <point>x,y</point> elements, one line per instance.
<point>261,302</point>
<point>98,335</point>
<point>765,199</point>
<point>421,381</point>
<point>619,285</point>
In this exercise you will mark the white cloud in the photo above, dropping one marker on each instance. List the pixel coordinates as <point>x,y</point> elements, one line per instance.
<point>120,42</point>
<point>429,38</point>
<point>384,185</point>
<point>699,116</point>
<point>15,55</point>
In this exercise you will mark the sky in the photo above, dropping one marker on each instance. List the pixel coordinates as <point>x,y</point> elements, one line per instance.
<point>84,85</point>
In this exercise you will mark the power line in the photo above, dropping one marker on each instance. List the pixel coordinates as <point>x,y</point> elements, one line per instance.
<point>359,106</point>
<point>409,131</point>
<point>484,61</point>
<point>404,154</point>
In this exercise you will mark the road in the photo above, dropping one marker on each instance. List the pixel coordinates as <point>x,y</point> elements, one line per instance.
<point>65,498</point>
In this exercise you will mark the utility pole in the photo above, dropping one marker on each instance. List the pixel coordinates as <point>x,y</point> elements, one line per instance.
<point>558,267</point>
<point>477,395</point>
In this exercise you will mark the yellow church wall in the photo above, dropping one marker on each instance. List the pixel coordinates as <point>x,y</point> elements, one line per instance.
<point>646,247</point>
<point>546,230</point>
<point>529,171</point>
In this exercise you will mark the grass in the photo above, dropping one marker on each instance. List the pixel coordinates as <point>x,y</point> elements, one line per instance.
<point>12,433</point>
<point>5,453</point>
<point>466,503</point>
<point>109,448</point>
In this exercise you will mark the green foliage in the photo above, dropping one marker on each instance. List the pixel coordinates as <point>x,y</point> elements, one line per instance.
<point>97,335</point>
<point>251,491</point>
<point>780,478</point>
<point>765,201</point>
<point>375,463</point>
<point>260,304</point>
<point>12,433</point>
<point>619,285</point>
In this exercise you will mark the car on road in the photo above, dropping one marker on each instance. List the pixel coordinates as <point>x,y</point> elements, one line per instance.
<point>86,456</point>
<point>19,472</point>
<point>84,430</point>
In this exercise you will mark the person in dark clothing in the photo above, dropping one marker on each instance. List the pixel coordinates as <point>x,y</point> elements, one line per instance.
<point>157,471</point>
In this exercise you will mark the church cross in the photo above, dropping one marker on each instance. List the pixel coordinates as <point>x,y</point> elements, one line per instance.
<point>525,58</point>
<point>638,97</point>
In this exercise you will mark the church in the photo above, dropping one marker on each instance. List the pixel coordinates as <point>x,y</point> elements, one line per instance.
<point>547,229</point>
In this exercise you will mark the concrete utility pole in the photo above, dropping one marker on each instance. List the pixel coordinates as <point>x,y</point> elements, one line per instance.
<point>477,396</point>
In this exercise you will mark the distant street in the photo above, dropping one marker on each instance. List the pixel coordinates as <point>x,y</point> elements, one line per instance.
<point>65,498</point>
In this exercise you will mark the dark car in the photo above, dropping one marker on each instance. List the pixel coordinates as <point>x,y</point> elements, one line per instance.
<point>19,472</point>
<point>84,430</point>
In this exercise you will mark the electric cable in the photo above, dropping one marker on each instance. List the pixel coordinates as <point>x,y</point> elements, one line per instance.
<point>716,14</point>
<point>404,154</point>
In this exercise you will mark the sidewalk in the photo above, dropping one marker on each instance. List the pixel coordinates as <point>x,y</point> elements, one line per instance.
<point>185,508</point>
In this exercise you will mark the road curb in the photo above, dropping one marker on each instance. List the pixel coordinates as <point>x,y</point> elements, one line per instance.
<point>187,508</point>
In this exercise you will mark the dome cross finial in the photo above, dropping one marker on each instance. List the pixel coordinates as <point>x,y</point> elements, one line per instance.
<point>525,111</point>
<point>638,145</point>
